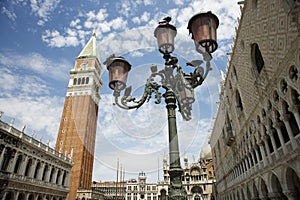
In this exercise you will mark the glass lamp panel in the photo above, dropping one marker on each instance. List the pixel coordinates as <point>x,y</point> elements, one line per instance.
<point>118,72</point>
<point>186,95</point>
<point>203,27</point>
<point>165,35</point>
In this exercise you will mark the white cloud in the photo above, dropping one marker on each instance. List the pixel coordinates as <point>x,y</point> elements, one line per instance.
<point>74,23</point>
<point>40,114</point>
<point>43,9</point>
<point>149,2</point>
<point>10,14</point>
<point>179,2</point>
<point>36,63</point>
<point>55,39</point>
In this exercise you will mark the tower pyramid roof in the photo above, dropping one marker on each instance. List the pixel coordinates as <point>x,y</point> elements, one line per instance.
<point>90,48</point>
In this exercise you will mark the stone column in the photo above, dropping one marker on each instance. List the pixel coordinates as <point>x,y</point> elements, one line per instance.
<point>263,153</point>
<point>12,163</point>
<point>54,176</point>
<point>23,165</point>
<point>48,173</point>
<point>2,156</point>
<point>40,173</point>
<point>32,168</point>
<point>60,177</point>
<point>273,144</point>
<point>246,164</point>
<point>253,160</point>
<point>285,118</point>
<point>265,139</point>
<point>257,156</point>
<point>16,195</point>
<point>294,109</point>
<point>277,126</point>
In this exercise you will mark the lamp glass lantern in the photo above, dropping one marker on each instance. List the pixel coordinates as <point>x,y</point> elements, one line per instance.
<point>186,94</point>
<point>203,27</point>
<point>165,34</point>
<point>118,71</point>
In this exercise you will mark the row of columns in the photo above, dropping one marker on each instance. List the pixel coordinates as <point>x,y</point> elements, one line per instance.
<point>254,153</point>
<point>17,195</point>
<point>27,166</point>
<point>244,193</point>
<point>278,135</point>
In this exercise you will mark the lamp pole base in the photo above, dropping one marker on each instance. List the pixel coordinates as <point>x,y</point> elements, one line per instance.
<point>176,190</point>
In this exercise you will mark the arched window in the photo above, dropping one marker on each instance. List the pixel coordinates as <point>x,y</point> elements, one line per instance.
<point>79,81</point>
<point>37,169</point>
<point>8,154</point>
<point>31,197</point>
<point>234,72</point>
<point>74,81</point>
<point>28,167</point>
<point>18,164</point>
<point>257,59</point>
<point>87,80</point>
<point>58,175</point>
<point>64,178</point>
<point>163,194</point>
<point>83,81</point>
<point>238,101</point>
<point>51,175</point>
<point>44,172</point>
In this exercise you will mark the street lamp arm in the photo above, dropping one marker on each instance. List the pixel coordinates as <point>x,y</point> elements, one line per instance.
<point>150,87</point>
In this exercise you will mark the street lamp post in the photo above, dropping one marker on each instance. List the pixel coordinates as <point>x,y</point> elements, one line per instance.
<point>178,86</point>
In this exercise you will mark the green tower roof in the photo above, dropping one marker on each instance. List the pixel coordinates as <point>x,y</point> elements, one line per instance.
<point>90,48</point>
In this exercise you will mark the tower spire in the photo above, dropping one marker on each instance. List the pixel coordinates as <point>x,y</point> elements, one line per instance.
<point>90,49</point>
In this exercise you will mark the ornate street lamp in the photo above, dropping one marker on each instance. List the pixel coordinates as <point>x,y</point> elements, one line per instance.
<point>179,86</point>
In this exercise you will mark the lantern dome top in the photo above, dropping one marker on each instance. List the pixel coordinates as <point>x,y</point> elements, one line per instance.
<point>204,14</point>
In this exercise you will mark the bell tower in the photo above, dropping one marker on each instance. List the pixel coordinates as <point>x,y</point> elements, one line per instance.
<point>77,130</point>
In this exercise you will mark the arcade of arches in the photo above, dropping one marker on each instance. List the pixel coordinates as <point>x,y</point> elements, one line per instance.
<point>29,169</point>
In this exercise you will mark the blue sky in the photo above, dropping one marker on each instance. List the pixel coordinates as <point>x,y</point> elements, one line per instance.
<point>41,39</point>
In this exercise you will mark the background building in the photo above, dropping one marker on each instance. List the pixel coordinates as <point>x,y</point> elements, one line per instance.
<point>127,190</point>
<point>29,169</point>
<point>255,138</point>
<point>198,178</point>
<point>77,131</point>
<point>111,189</point>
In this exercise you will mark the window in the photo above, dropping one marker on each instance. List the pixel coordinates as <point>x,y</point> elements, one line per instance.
<point>87,80</point>
<point>28,167</point>
<point>238,101</point>
<point>254,4</point>
<point>257,59</point>
<point>234,73</point>
<point>75,81</point>
<point>18,164</point>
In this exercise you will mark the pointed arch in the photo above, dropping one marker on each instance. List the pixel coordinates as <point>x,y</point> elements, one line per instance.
<point>292,181</point>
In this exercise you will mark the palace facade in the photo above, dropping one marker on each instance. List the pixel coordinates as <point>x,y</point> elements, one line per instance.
<point>255,138</point>
<point>30,169</point>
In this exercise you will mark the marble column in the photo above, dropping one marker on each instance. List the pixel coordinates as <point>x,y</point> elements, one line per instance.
<point>271,132</point>
<point>285,118</point>
<point>277,126</point>
<point>295,110</point>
